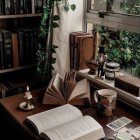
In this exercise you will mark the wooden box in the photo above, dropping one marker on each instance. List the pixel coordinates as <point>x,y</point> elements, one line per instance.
<point>128,83</point>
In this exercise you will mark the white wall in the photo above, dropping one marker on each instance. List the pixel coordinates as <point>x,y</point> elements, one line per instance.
<point>70,21</point>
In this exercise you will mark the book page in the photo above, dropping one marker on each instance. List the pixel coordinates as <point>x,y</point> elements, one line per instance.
<point>57,84</point>
<point>54,117</point>
<point>85,127</point>
<point>80,89</point>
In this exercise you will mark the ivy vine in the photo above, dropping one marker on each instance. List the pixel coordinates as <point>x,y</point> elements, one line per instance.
<point>46,48</point>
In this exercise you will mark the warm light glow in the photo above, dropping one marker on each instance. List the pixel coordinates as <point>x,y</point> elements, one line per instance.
<point>27,88</point>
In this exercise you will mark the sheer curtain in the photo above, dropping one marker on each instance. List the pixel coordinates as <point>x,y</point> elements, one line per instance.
<point>69,22</point>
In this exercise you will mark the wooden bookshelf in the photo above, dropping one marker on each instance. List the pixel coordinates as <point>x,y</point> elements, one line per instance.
<point>17,68</point>
<point>17,21</point>
<point>2,17</point>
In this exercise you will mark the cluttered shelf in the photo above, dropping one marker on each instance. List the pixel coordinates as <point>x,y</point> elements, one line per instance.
<point>124,96</point>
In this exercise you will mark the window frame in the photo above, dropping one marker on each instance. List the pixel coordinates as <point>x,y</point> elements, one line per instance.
<point>118,21</point>
<point>127,22</point>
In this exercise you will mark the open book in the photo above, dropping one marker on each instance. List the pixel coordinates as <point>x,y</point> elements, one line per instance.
<point>65,122</point>
<point>66,90</point>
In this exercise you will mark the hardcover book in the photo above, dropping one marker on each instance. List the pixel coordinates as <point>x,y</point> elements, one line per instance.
<point>73,45</point>
<point>66,90</point>
<point>1,52</point>
<point>8,7</point>
<point>7,48</point>
<point>15,48</point>
<point>65,123</point>
<point>81,49</point>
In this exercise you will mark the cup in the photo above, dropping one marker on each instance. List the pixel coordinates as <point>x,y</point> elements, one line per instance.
<point>105,100</point>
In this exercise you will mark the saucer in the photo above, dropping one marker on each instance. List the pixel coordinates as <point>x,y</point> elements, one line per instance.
<point>24,107</point>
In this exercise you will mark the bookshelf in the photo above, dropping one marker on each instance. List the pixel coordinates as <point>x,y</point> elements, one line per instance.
<point>20,19</point>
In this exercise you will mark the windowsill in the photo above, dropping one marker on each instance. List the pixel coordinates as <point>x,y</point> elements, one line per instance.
<point>123,96</point>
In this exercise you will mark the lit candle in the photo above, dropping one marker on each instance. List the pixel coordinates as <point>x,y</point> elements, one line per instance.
<point>28,93</point>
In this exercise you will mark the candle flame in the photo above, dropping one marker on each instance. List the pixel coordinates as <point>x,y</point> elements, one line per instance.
<point>27,88</point>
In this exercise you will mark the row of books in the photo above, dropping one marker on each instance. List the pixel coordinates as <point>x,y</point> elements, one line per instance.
<point>13,87</point>
<point>18,47</point>
<point>13,7</point>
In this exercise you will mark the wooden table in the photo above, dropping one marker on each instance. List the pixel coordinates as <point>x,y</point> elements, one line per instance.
<point>9,108</point>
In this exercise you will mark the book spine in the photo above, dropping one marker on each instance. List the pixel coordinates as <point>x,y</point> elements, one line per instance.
<point>33,6</point>
<point>8,7</point>
<point>7,43</point>
<point>1,52</point>
<point>38,6</point>
<point>22,50</point>
<point>15,48</point>
<point>1,7</point>
<point>29,6</point>
<point>15,7</point>
<point>21,7</point>
<point>71,52</point>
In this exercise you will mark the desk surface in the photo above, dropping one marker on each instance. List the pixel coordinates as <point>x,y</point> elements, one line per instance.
<point>10,109</point>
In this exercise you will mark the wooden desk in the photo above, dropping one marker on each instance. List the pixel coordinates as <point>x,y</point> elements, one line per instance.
<point>9,109</point>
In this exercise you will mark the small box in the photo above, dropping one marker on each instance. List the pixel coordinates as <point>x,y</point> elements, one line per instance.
<point>128,83</point>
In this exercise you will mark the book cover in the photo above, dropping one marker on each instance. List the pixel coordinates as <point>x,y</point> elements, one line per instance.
<point>85,50</point>
<point>66,90</point>
<point>73,46</point>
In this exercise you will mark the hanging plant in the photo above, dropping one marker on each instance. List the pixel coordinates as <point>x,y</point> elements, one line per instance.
<point>49,21</point>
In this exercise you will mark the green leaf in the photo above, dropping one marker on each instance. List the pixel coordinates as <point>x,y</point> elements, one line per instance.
<point>54,46</point>
<point>73,7</point>
<point>66,7</point>
<point>55,25</point>
<point>56,18</point>
<point>53,60</point>
<point>53,50</point>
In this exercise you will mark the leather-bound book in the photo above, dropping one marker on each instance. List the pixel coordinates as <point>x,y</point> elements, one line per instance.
<point>7,48</point>
<point>15,48</point>
<point>1,52</point>
<point>73,47</point>
<point>85,50</point>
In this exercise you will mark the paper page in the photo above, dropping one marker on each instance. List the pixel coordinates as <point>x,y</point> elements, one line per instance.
<point>54,117</point>
<point>57,84</point>
<point>76,129</point>
<point>80,88</point>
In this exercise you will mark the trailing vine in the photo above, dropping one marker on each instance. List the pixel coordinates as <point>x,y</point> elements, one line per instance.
<point>46,46</point>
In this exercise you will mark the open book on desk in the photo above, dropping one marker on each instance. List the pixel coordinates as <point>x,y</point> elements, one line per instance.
<point>65,122</point>
<point>66,90</point>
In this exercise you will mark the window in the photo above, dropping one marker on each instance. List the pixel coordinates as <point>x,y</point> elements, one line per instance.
<point>120,20</point>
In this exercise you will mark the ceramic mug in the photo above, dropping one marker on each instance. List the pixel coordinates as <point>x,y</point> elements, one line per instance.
<point>105,100</point>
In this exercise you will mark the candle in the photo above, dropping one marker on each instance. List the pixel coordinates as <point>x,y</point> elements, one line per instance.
<point>28,93</point>
<point>27,88</point>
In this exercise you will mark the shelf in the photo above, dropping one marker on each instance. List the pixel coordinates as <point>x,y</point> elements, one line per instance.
<point>17,68</point>
<point>19,16</point>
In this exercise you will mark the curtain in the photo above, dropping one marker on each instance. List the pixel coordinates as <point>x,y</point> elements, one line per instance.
<point>69,22</point>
